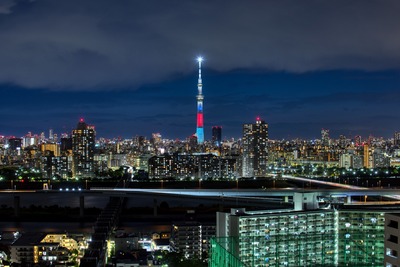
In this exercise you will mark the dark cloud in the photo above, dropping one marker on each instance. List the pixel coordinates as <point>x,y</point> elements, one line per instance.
<point>6,6</point>
<point>98,44</point>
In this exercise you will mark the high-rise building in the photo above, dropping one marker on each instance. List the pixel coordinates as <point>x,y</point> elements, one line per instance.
<point>83,141</point>
<point>345,160</point>
<point>280,238</point>
<point>200,97</point>
<point>380,159</point>
<point>343,141</point>
<point>66,144</point>
<point>15,143</point>
<point>357,140</point>
<point>51,136</point>
<point>367,156</point>
<point>325,137</point>
<point>216,135</point>
<point>54,148</point>
<point>255,149</point>
<point>396,140</point>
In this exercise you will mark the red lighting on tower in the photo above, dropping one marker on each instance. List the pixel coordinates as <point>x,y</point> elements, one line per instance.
<point>200,97</point>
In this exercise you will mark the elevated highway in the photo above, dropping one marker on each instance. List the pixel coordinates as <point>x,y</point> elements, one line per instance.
<point>248,196</point>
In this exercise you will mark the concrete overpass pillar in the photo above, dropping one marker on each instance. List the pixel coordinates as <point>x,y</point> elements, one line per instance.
<point>16,206</point>
<point>286,199</point>
<point>81,206</point>
<point>155,207</point>
<point>348,199</point>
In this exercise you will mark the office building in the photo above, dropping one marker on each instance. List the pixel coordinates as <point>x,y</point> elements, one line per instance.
<point>83,141</point>
<point>255,149</point>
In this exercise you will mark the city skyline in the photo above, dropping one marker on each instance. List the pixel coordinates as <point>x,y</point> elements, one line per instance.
<point>130,68</point>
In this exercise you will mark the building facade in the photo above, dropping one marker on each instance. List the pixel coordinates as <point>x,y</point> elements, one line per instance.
<point>255,149</point>
<point>217,135</point>
<point>83,142</point>
<point>318,237</point>
<point>191,238</point>
<point>38,249</point>
<point>392,237</point>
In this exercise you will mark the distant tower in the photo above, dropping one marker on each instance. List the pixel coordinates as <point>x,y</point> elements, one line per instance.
<point>357,140</point>
<point>216,135</point>
<point>367,157</point>
<point>200,97</point>
<point>51,136</point>
<point>83,141</point>
<point>255,149</point>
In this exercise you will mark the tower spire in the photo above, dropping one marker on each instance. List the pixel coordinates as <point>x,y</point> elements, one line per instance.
<point>200,97</point>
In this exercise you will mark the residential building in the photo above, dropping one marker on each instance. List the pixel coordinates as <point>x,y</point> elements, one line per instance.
<point>41,249</point>
<point>255,149</point>
<point>303,236</point>
<point>83,141</point>
<point>191,238</point>
<point>392,237</point>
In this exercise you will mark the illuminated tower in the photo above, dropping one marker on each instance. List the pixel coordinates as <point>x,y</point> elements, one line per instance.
<point>200,97</point>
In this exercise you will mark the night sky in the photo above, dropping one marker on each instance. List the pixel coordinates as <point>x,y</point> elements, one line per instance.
<point>129,67</point>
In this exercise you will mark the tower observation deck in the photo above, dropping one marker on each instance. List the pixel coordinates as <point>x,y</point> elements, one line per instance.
<point>200,97</point>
